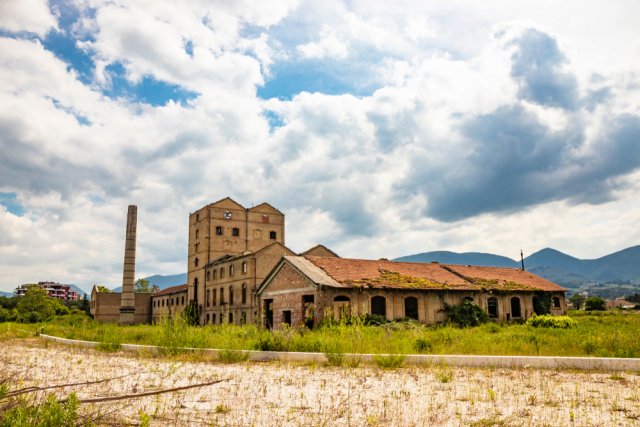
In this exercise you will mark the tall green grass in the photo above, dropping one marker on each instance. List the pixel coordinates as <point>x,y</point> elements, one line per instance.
<point>611,335</point>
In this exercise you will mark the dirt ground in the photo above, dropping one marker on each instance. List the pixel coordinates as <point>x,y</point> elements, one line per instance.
<point>269,394</point>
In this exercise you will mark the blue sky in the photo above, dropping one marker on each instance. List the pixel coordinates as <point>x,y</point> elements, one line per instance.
<point>379,130</point>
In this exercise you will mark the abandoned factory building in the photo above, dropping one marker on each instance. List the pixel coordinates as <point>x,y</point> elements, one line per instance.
<point>240,271</point>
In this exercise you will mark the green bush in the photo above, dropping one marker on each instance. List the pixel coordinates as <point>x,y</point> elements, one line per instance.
<point>422,345</point>
<point>35,306</point>
<point>549,321</point>
<point>594,304</point>
<point>375,319</point>
<point>232,356</point>
<point>23,412</point>
<point>466,314</point>
<point>389,361</point>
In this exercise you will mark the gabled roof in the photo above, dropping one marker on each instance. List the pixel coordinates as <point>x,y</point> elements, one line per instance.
<point>318,248</point>
<point>344,272</point>
<point>227,201</point>
<point>171,290</point>
<point>265,207</point>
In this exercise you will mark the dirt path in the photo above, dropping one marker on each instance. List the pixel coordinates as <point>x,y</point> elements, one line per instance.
<point>267,394</point>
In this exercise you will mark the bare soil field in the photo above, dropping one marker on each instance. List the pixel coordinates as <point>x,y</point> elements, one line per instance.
<point>268,394</point>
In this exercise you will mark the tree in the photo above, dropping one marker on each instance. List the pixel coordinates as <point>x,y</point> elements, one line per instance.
<point>594,304</point>
<point>542,303</point>
<point>577,300</point>
<point>35,306</point>
<point>103,289</point>
<point>143,286</point>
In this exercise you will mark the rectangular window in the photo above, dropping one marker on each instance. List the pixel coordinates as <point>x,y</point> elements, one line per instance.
<point>214,297</point>
<point>231,270</point>
<point>244,268</point>
<point>272,235</point>
<point>218,231</point>
<point>286,317</point>
<point>208,295</point>
<point>221,296</point>
<point>235,232</point>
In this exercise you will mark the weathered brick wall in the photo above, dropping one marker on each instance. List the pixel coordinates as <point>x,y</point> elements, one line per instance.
<point>287,290</point>
<point>171,305</point>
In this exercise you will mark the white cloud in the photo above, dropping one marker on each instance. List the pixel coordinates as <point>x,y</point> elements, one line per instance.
<point>338,166</point>
<point>26,15</point>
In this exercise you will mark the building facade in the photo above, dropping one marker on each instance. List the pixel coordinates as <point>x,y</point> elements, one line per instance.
<point>231,281</point>
<point>105,306</point>
<point>304,290</point>
<point>227,228</point>
<point>168,302</point>
<point>53,290</point>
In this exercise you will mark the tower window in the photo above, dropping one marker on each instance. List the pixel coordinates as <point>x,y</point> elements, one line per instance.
<point>235,231</point>
<point>244,268</point>
<point>272,235</point>
<point>197,233</point>
<point>195,262</point>
<point>218,231</point>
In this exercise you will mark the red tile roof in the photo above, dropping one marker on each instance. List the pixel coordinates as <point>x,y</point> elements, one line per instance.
<point>405,275</point>
<point>171,290</point>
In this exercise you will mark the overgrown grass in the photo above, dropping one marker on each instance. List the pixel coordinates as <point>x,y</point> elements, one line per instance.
<point>603,335</point>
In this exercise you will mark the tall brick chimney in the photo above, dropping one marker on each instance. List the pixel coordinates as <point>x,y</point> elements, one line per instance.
<point>127,301</point>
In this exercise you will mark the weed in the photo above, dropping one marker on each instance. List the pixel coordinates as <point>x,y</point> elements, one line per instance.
<point>222,409</point>
<point>389,361</point>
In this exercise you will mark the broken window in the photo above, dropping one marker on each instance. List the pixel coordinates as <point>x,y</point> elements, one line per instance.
<point>492,307</point>
<point>515,307</point>
<point>411,307</point>
<point>379,306</point>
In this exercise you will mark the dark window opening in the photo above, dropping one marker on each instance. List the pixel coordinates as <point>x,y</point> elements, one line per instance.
<point>218,231</point>
<point>244,293</point>
<point>492,307</point>
<point>379,306</point>
<point>221,296</point>
<point>195,289</point>
<point>272,235</point>
<point>213,318</point>
<point>214,297</point>
<point>197,233</point>
<point>215,274</point>
<point>268,313</point>
<point>208,296</point>
<point>207,317</point>
<point>182,300</point>
<point>230,318</point>
<point>231,270</point>
<point>235,232</point>
<point>556,302</point>
<point>195,262</point>
<point>222,273</point>
<point>231,295</point>
<point>515,307</point>
<point>197,217</point>
<point>411,307</point>
<point>286,317</point>
<point>243,318</point>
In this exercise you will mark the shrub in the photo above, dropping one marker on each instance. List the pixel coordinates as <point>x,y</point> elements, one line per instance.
<point>190,314</point>
<point>542,303</point>
<point>422,345</point>
<point>375,319</point>
<point>389,361</point>
<point>549,321</point>
<point>594,304</point>
<point>466,314</point>
<point>35,306</point>
<point>51,412</point>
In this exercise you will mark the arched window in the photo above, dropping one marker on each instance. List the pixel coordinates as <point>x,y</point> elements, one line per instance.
<point>379,306</point>
<point>231,270</point>
<point>197,233</point>
<point>195,289</point>
<point>411,307</point>
<point>221,297</point>
<point>244,268</point>
<point>214,297</point>
<point>208,275</point>
<point>515,307</point>
<point>230,296</point>
<point>195,262</point>
<point>215,274</point>
<point>208,295</point>
<point>222,272</point>
<point>492,307</point>
<point>244,293</point>
<point>556,302</point>
<point>230,318</point>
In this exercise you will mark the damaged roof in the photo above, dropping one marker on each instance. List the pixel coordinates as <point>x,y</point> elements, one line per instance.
<point>344,272</point>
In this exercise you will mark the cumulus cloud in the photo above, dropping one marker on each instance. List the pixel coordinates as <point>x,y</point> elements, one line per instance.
<point>31,16</point>
<point>379,135</point>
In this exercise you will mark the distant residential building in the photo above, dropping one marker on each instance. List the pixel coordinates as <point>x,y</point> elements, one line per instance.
<point>620,303</point>
<point>54,290</point>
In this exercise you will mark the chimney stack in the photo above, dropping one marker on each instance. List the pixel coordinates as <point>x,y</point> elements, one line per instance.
<point>127,302</point>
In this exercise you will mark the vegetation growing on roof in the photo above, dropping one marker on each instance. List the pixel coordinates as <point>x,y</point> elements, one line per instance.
<point>393,279</point>
<point>497,285</point>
